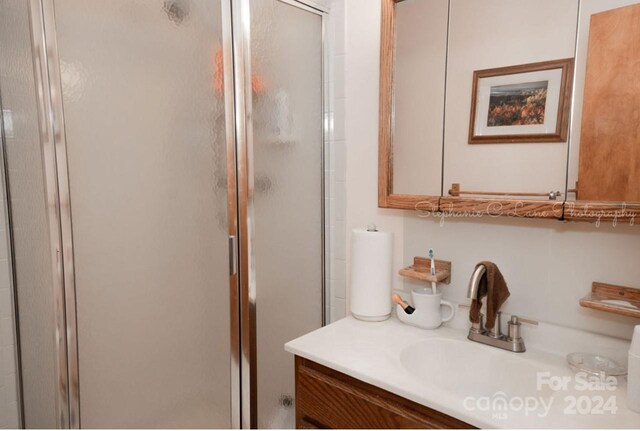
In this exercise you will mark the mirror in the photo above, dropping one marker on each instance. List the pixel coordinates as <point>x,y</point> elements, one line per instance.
<point>420,62</point>
<point>604,158</point>
<point>413,66</point>
<point>507,43</point>
<point>478,107</point>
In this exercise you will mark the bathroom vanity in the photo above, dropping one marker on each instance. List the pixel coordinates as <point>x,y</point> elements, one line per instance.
<point>354,374</point>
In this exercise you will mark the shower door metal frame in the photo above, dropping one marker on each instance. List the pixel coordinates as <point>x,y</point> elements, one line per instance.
<point>244,137</point>
<point>54,149</point>
<point>56,178</point>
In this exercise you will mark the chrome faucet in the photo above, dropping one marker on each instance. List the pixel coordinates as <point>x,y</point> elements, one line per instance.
<point>511,341</point>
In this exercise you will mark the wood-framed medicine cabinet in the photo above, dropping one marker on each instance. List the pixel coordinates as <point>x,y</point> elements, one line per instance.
<point>430,52</point>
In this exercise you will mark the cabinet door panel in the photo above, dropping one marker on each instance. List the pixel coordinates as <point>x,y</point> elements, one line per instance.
<point>326,398</point>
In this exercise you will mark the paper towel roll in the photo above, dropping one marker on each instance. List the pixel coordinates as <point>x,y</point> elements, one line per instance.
<point>371,261</point>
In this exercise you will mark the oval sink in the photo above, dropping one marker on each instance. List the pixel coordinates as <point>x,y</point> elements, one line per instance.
<point>480,371</point>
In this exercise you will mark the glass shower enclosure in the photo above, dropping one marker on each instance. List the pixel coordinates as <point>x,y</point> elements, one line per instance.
<point>166,198</point>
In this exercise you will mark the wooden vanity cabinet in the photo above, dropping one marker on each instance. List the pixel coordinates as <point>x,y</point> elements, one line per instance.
<point>326,398</point>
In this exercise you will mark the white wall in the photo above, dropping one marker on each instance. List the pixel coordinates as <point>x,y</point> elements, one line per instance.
<point>549,265</point>
<point>362,44</point>
<point>335,171</point>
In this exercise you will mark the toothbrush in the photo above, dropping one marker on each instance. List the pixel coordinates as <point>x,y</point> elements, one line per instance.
<point>433,271</point>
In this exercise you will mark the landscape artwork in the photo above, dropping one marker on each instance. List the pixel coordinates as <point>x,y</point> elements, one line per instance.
<point>517,104</point>
<point>524,103</point>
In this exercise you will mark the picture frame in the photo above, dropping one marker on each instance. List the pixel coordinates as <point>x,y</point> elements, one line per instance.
<point>528,103</point>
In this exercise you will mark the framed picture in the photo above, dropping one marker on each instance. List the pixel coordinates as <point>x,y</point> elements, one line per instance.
<point>525,103</point>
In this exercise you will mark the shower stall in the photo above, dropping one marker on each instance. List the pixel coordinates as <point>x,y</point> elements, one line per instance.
<point>163,168</point>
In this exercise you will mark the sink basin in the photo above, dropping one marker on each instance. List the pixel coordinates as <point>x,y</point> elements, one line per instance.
<point>480,371</point>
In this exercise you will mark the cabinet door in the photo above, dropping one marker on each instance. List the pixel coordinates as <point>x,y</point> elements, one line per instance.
<point>326,398</point>
<point>609,143</point>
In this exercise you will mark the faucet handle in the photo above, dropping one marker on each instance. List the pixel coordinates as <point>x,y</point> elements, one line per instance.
<point>514,328</point>
<point>479,326</point>
<point>496,331</point>
<point>523,320</point>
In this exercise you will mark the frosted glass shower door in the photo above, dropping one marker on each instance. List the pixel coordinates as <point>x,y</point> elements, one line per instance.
<point>144,113</point>
<point>286,62</point>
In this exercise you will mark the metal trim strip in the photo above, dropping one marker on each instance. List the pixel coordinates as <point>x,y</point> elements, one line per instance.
<point>47,139</point>
<point>60,145</point>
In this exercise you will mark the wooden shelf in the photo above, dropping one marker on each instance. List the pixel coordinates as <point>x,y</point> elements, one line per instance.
<point>613,299</point>
<point>421,270</point>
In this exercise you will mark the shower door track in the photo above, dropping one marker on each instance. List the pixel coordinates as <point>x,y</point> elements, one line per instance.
<point>243,304</point>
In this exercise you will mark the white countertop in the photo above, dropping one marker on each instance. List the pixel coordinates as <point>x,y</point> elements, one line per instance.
<point>378,354</point>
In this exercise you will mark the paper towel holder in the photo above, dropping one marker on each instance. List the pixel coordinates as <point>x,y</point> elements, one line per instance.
<point>421,270</point>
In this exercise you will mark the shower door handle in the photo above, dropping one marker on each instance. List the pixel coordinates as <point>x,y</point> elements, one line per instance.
<point>233,255</point>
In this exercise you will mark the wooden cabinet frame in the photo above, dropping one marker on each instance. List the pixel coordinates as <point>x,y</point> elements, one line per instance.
<point>458,205</point>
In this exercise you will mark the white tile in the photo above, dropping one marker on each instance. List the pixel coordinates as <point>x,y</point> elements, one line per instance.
<point>338,155</point>
<point>338,76</point>
<point>339,120</point>
<point>340,240</point>
<point>339,46</point>
<point>331,123</point>
<point>340,309</point>
<point>332,210</point>
<point>340,281</point>
<point>332,155</point>
<point>332,315</point>
<point>339,203</point>
<point>328,176</point>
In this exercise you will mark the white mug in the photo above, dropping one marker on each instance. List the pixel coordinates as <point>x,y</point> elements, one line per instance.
<point>428,314</point>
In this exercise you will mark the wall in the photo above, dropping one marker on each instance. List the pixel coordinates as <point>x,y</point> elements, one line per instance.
<point>549,264</point>
<point>362,45</point>
<point>335,169</point>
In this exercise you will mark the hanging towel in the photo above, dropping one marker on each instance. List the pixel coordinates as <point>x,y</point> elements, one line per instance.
<point>493,286</point>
